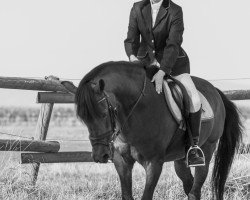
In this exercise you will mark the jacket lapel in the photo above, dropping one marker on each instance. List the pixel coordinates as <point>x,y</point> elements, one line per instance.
<point>162,12</point>
<point>147,16</point>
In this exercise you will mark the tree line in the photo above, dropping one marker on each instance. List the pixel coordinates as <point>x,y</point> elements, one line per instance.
<point>29,115</point>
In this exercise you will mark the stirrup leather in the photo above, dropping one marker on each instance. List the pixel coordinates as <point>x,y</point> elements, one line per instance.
<point>200,153</point>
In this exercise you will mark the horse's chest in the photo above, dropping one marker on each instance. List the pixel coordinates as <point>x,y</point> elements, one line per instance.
<point>126,150</point>
<point>121,146</point>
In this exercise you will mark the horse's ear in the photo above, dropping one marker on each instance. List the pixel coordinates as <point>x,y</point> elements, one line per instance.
<point>101,85</point>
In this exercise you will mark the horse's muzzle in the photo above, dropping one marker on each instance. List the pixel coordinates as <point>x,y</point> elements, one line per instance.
<point>101,158</point>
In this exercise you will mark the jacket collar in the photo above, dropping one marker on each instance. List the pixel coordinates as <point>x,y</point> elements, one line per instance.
<point>147,15</point>
<point>162,12</point>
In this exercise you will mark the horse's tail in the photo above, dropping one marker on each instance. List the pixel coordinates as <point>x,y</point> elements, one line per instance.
<point>228,145</point>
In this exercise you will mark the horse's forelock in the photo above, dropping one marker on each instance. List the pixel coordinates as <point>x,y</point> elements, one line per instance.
<point>86,104</point>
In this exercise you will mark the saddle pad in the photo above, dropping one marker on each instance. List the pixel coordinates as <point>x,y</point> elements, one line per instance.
<point>207,112</point>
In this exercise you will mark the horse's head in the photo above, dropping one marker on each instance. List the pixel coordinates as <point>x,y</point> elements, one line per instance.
<point>97,109</point>
<point>100,92</point>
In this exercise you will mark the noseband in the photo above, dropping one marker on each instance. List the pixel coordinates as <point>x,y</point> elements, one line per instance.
<point>109,137</point>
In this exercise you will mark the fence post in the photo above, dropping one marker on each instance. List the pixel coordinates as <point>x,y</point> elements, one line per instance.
<point>42,129</point>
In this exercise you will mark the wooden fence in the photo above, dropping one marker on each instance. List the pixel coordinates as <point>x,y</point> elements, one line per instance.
<point>55,91</point>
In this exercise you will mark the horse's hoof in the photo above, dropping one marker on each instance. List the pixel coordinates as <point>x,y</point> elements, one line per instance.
<point>191,197</point>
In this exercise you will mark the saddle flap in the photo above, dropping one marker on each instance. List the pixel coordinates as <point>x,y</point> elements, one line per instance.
<point>175,101</point>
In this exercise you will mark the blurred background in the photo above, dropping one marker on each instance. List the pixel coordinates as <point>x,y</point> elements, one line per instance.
<point>68,38</point>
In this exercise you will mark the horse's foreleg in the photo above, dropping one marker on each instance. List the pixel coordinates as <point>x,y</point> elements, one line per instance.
<point>153,171</point>
<point>124,168</point>
<point>201,173</point>
<point>184,173</point>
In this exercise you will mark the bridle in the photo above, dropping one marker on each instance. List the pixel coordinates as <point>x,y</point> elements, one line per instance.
<point>108,138</point>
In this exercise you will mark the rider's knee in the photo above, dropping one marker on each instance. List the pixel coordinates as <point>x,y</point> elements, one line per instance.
<point>195,103</point>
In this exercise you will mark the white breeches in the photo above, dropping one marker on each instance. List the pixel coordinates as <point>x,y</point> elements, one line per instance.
<point>195,101</point>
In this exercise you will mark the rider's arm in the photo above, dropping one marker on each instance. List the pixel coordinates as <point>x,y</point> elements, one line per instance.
<point>132,42</point>
<point>173,42</point>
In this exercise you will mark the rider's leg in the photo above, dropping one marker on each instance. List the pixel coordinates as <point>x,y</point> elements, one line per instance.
<point>195,113</point>
<point>195,102</point>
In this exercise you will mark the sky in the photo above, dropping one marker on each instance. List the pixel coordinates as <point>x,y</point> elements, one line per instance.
<point>67,38</point>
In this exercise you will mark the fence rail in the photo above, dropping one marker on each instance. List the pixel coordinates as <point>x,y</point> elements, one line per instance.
<point>60,157</point>
<point>31,84</point>
<point>55,97</point>
<point>29,145</point>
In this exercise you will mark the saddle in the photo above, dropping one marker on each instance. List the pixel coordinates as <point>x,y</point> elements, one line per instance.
<point>178,102</point>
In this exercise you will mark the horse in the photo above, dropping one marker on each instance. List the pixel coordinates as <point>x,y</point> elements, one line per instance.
<point>129,122</point>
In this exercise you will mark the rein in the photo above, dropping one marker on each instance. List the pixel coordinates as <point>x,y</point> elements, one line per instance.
<point>112,134</point>
<point>136,103</point>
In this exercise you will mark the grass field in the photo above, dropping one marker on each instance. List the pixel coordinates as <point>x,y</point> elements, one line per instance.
<point>92,181</point>
<point>98,181</point>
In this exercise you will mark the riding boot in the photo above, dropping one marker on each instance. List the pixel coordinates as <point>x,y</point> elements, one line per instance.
<point>195,155</point>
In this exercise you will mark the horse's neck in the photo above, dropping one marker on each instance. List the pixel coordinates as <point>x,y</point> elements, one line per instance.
<point>150,110</point>
<point>126,89</point>
<point>126,83</point>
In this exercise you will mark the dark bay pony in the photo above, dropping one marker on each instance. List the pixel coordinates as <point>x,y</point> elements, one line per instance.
<point>120,96</point>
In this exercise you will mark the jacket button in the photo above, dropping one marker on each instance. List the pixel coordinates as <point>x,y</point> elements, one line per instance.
<point>153,41</point>
<point>153,51</point>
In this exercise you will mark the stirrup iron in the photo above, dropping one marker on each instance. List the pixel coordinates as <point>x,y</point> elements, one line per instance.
<point>199,152</point>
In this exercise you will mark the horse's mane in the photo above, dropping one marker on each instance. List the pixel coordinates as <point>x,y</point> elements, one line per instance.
<point>86,104</point>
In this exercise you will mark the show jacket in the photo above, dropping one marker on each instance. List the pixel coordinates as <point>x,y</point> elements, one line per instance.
<point>162,41</point>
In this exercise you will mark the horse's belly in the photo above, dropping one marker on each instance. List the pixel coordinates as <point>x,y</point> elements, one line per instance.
<point>176,148</point>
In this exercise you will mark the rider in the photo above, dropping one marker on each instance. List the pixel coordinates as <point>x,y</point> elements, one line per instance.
<point>155,33</point>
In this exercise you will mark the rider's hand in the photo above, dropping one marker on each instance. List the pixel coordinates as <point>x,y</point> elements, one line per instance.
<point>133,58</point>
<point>155,63</point>
<point>158,79</point>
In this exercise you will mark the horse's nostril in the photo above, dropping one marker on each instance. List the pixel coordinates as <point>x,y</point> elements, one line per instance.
<point>105,156</point>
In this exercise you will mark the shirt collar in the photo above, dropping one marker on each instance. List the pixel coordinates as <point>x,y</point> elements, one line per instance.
<point>156,5</point>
